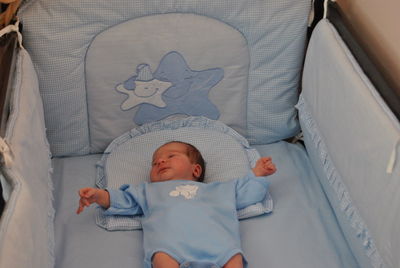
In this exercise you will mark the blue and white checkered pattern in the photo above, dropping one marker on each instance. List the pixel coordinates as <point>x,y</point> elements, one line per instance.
<point>58,37</point>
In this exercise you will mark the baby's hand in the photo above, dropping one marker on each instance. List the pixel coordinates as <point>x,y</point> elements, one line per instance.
<point>264,167</point>
<point>89,196</point>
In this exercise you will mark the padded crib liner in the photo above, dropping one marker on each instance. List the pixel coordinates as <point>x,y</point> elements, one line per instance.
<point>301,232</point>
<point>26,224</point>
<point>59,44</point>
<point>352,138</point>
<point>339,189</point>
<point>187,70</point>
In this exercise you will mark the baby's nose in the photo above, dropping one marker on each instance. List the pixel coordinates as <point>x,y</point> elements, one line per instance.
<point>160,161</point>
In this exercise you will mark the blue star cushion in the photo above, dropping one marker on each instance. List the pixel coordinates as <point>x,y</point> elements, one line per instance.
<point>260,53</point>
<point>164,66</point>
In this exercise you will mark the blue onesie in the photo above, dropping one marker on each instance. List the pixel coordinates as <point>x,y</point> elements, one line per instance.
<point>195,223</point>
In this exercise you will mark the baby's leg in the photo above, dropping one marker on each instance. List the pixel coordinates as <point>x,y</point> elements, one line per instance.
<point>235,262</point>
<point>163,260</point>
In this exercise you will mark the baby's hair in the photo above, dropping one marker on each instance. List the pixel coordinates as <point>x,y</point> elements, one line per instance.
<point>195,158</point>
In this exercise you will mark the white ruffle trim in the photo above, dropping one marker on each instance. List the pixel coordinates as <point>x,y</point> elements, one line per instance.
<point>336,182</point>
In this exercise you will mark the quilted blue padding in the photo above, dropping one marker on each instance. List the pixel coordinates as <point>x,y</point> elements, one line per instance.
<point>352,139</point>
<point>165,65</point>
<point>27,222</point>
<point>57,34</point>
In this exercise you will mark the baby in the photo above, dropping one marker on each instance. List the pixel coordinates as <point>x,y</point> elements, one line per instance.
<point>186,223</point>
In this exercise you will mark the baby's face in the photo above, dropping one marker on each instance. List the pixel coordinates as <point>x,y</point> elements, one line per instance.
<point>171,162</point>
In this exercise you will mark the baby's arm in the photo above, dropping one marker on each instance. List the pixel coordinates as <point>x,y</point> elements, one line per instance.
<point>264,167</point>
<point>93,195</point>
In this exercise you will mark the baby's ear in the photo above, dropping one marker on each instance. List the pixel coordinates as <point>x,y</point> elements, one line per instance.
<point>196,171</point>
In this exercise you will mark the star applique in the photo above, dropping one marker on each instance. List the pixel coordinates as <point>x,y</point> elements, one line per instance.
<point>145,92</point>
<point>181,90</point>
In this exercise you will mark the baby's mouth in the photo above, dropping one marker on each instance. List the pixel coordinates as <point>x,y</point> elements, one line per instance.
<point>162,170</point>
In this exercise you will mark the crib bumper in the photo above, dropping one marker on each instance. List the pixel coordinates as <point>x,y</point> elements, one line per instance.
<point>26,227</point>
<point>352,139</point>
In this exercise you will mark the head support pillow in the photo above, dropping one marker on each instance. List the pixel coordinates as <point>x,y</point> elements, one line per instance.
<point>128,160</point>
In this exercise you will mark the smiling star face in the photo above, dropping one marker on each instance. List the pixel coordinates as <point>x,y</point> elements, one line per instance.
<point>145,92</point>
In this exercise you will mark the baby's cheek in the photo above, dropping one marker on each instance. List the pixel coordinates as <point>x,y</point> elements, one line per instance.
<point>152,174</point>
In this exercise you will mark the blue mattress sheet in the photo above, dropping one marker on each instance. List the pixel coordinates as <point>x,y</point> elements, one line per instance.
<point>301,232</point>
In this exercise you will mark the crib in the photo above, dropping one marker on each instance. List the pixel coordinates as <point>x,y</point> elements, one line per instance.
<point>96,85</point>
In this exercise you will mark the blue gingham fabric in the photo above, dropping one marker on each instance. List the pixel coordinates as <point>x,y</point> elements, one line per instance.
<point>352,138</point>
<point>190,71</point>
<point>127,160</point>
<point>58,38</point>
<point>27,170</point>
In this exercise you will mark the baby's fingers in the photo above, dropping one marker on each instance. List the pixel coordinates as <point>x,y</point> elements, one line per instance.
<point>270,164</point>
<point>80,208</point>
<point>86,192</point>
<point>271,168</point>
<point>89,194</point>
<point>265,159</point>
